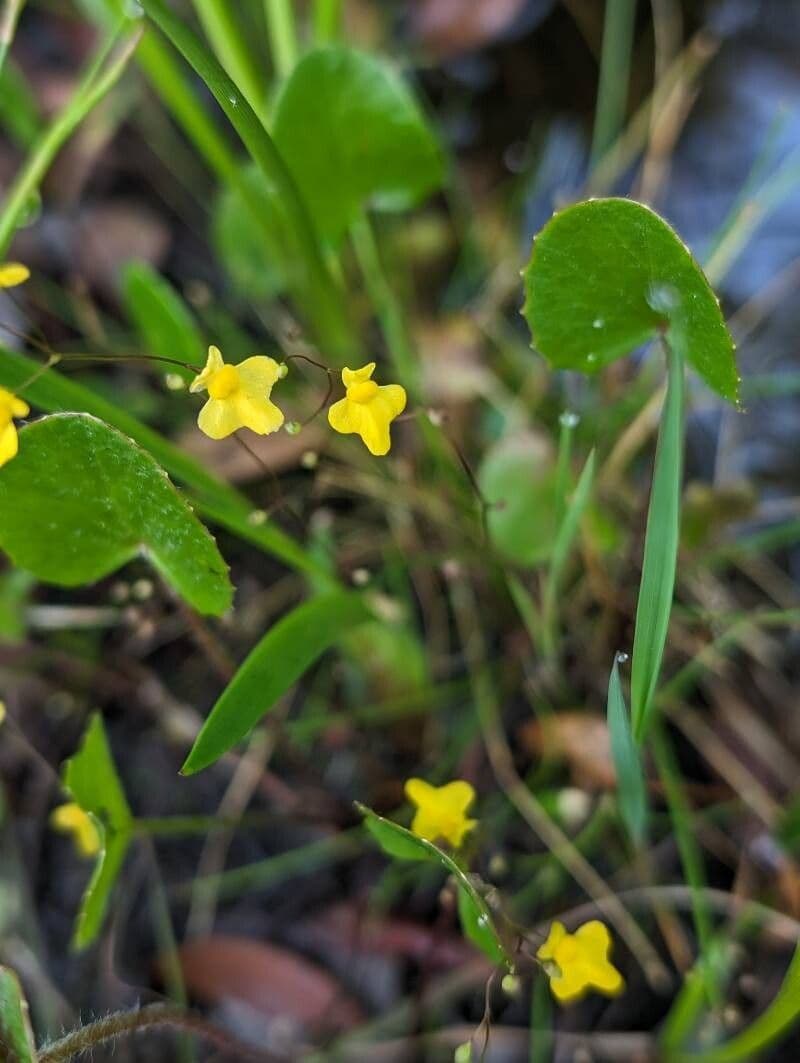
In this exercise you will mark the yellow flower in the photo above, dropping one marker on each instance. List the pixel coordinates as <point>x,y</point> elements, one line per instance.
<point>10,407</point>
<point>367,409</point>
<point>71,819</point>
<point>578,962</point>
<point>239,395</point>
<point>12,274</point>
<point>441,810</point>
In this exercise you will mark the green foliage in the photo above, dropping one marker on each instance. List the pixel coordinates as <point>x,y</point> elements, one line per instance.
<point>253,255</point>
<point>353,136</point>
<point>607,276</point>
<point>476,919</point>
<point>161,317</point>
<point>16,1037</point>
<point>19,111</point>
<point>782,1013</point>
<point>517,480</point>
<point>15,588</point>
<point>53,392</point>
<point>81,499</point>
<point>91,779</point>
<point>631,788</point>
<point>660,552</point>
<point>286,651</point>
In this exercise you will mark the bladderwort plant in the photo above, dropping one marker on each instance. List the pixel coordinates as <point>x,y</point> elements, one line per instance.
<point>331,142</point>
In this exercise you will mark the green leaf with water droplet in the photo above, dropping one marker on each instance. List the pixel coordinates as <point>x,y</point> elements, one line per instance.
<point>608,275</point>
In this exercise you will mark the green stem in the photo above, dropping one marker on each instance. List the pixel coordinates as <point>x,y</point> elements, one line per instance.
<point>691,857</point>
<point>92,88</point>
<point>9,16</point>
<point>313,287</point>
<point>327,21</point>
<point>568,420</point>
<point>612,90</point>
<point>282,35</point>
<point>660,550</point>
<point>224,31</point>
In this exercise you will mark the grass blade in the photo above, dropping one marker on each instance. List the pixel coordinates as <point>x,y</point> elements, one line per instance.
<point>660,551</point>
<point>631,789</point>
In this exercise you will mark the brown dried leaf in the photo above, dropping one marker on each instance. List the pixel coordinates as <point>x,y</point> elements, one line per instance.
<point>580,738</point>
<point>222,969</point>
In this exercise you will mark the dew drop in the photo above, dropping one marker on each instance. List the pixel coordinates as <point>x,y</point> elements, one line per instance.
<point>598,322</point>
<point>232,100</point>
<point>257,517</point>
<point>663,298</point>
<point>483,920</point>
<point>621,658</point>
<point>569,419</point>
<point>591,358</point>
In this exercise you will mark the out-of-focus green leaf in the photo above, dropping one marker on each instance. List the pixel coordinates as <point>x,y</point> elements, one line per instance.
<point>631,788</point>
<point>161,317</point>
<point>19,113</point>
<point>517,480</point>
<point>606,276</point>
<point>80,499</point>
<point>476,919</point>
<point>660,552</point>
<point>287,650</point>
<point>16,1037</point>
<point>91,779</point>
<point>254,262</point>
<point>353,136</point>
<point>762,1034</point>
<point>15,587</point>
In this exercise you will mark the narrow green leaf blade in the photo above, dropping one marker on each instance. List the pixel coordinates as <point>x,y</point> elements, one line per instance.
<point>763,1032</point>
<point>91,779</point>
<point>80,499</point>
<point>631,788</point>
<point>606,276</point>
<point>16,1037</point>
<point>476,919</point>
<point>353,136</point>
<point>162,319</point>
<point>286,651</point>
<point>660,552</point>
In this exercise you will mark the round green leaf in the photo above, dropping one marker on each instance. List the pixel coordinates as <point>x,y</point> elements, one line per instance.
<point>81,499</point>
<point>161,317</point>
<point>352,134</point>
<point>606,276</point>
<point>253,255</point>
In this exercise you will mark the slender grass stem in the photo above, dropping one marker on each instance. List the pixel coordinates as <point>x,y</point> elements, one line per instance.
<point>94,85</point>
<point>223,29</point>
<point>9,16</point>
<point>615,61</point>
<point>282,35</point>
<point>327,21</point>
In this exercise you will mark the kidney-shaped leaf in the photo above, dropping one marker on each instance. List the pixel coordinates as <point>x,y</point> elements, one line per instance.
<point>352,134</point>
<point>81,499</point>
<point>277,661</point>
<point>606,276</point>
<point>91,779</point>
<point>476,919</point>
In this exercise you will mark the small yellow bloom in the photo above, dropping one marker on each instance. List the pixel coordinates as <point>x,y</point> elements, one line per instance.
<point>578,962</point>
<point>441,810</point>
<point>10,407</point>
<point>12,274</point>
<point>71,819</point>
<point>239,396</point>
<point>367,409</point>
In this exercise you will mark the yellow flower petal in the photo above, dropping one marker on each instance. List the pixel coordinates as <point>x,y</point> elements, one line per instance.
<point>579,962</point>
<point>219,418</point>
<point>12,274</point>
<point>72,819</point>
<point>258,414</point>
<point>357,376</point>
<point>441,810</point>
<point>9,443</point>
<point>258,374</point>
<point>213,365</point>
<point>547,951</point>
